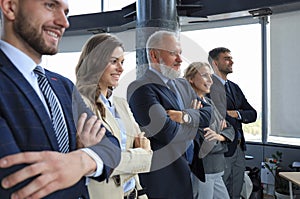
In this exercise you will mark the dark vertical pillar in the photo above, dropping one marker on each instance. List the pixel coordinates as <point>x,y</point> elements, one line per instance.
<point>152,15</point>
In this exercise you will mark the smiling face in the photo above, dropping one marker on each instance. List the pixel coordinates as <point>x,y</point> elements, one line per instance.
<point>36,26</point>
<point>202,81</point>
<point>113,70</point>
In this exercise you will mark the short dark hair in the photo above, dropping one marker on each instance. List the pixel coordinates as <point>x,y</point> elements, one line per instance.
<point>214,53</point>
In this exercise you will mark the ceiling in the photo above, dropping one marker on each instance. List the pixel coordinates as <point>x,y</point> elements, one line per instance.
<point>189,12</point>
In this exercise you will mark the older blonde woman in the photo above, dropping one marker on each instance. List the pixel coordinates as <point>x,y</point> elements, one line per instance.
<point>214,141</point>
<point>98,71</point>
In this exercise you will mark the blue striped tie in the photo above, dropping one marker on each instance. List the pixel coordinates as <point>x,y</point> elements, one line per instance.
<point>57,116</point>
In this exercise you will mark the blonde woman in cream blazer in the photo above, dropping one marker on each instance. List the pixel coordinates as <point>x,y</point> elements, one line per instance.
<point>98,71</point>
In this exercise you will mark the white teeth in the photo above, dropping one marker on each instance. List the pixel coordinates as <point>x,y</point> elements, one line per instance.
<point>52,34</point>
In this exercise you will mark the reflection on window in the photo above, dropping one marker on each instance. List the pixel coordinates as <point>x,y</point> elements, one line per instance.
<point>247,69</point>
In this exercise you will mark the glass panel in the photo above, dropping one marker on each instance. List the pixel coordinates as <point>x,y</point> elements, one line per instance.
<point>247,69</point>
<point>78,7</point>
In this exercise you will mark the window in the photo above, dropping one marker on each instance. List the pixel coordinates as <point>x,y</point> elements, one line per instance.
<point>110,5</point>
<point>247,69</point>
<point>78,7</point>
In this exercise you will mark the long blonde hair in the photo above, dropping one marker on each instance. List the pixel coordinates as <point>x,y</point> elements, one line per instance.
<point>92,62</point>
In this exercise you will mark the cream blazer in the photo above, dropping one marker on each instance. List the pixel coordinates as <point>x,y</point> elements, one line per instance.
<point>133,160</point>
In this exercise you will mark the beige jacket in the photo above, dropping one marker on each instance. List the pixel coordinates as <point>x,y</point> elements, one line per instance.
<point>133,160</point>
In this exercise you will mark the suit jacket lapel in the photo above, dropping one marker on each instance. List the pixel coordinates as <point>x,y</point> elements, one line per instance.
<point>30,95</point>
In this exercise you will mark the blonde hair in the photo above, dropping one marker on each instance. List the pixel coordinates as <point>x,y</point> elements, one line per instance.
<point>193,69</point>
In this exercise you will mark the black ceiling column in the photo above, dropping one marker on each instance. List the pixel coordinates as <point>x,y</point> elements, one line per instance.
<point>152,15</point>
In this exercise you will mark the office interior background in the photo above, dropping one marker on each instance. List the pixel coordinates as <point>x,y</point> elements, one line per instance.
<point>263,36</point>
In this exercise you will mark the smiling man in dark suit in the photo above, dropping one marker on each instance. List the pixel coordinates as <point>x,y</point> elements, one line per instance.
<point>231,101</point>
<point>154,99</point>
<point>38,153</point>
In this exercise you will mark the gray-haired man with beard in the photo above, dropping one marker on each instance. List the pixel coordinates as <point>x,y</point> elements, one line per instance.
<point>157,100</point>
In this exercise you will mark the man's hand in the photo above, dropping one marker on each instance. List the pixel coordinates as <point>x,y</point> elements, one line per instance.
<point>232,113</point>
<point>53,170</point>
<point>89,132</point>
<point>175,116</point>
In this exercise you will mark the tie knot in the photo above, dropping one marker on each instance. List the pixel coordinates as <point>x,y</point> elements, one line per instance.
<point>227,87</point>
<point>39,71</point>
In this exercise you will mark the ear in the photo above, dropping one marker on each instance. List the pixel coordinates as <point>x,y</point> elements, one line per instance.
<point>215,63</point>
<point>8,8</point>
<point>153,56</point>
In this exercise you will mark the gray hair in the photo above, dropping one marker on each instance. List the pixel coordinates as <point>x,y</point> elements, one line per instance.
<point>156,41</point>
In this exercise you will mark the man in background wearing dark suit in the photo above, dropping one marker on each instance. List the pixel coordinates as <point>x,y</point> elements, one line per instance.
<point>157,100</point>
<point>231,101</point>
<point>38,152</point>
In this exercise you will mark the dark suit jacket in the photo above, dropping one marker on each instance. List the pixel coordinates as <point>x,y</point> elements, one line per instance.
<point>149,98</point>
<point>237,102</point>
<point>26,126</point>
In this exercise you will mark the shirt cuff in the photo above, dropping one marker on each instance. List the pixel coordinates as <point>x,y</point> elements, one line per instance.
<point>239,115</point>
<point>98,161</point>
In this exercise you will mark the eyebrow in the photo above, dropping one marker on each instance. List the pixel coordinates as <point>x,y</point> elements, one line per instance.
<point>59,3</point>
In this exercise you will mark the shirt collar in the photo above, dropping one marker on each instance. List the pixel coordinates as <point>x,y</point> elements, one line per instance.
<point>20,60</point>
<point>107,102</point>
<point>219,78</point>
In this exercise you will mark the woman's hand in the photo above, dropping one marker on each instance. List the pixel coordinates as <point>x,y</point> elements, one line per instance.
<point>196,104</point>
<point>211,135</point>
<point>140,141</point>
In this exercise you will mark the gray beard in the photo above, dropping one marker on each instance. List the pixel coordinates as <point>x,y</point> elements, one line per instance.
<point>169,72</point>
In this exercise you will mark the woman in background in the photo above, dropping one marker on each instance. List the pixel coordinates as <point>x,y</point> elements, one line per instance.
<point>98,72</point>
<point>214,141</point>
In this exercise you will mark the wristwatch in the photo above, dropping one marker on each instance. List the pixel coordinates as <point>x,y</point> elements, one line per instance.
<point>186,118</point>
